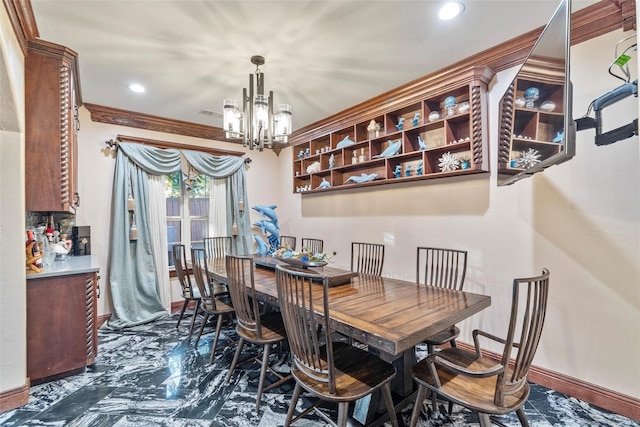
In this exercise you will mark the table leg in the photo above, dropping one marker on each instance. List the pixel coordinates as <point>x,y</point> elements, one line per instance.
<point>402,385</point>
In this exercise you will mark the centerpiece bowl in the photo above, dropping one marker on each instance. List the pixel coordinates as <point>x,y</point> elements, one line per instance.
<point>301,263</point>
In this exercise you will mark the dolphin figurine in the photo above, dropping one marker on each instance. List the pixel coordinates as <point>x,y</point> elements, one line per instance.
<point>400,124</point>
<point>422,143</point>
<point>416,119</point>
<point>346,141</point>
<point>362,178</point>
<point>391,150</point>
<point>268,226</point>
<point>267,211</point>
<point>262,245</point>
<point>324,184</point>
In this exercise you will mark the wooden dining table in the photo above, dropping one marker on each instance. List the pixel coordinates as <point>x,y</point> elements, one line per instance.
<point>389,315</point>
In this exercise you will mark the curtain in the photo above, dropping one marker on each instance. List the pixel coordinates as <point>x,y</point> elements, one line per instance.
<point>158,225</point>
<point>133,270</point>
<point>218,208</point>
<point>231,171</point>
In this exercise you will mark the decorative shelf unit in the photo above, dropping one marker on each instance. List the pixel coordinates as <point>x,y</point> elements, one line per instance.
<point>532,131</point>
<point>322,162</point>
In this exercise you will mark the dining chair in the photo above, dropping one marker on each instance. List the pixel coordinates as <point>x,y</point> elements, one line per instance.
<point>211,305</point>
<point>443,268</point>
<point>252,326</point>
<point>217,247</point>
<point>288,242</point>
<point>313,245</point>
<point>188,291</point>
<point>479,382</point>
<point>331,371</point>
<point>367,258</point>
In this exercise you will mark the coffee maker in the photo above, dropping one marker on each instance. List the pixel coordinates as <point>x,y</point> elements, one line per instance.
<point>81,239</point>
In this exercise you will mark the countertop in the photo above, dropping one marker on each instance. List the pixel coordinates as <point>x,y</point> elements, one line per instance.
<point>72,265</point>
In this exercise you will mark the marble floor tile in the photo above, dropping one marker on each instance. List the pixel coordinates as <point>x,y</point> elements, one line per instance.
<point>151,375</point>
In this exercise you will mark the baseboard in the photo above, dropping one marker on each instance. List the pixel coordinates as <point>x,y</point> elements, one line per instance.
<point>176,306</point>
<point>102,319</point>
<point>14,398</point>
<point>603,398</point>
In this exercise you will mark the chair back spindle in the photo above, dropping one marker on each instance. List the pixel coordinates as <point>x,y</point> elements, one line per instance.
<point>528,309</point>
<point>180,257</point>
<point>313,245</point>
<point>367,258</point>
<point>288,242</point>
<point>444,268</point>
<point>300,298</point>
<point>216,247</point>
<point>201,277</point>
<point>243,293</point>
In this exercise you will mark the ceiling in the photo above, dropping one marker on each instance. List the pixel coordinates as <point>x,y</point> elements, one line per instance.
<point>322,56</point>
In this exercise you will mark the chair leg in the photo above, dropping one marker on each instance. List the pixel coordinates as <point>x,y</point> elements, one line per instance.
<point>235,358</point>
<point>388,400</point>
<point>215,339</point>
<point>263,374</point>
<point>184,306</point>
<point>193,318</point>
<point>485,420</point>
<point>434,402</point>
<point>422,393</point>
<point>204,321</point>
<point>343,409</point>
<point>522,417</point>
<point>297,391</point>
<point>453,343</point>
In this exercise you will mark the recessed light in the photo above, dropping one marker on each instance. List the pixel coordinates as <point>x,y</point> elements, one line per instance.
<point>450,10</point>
<point>137,88</point>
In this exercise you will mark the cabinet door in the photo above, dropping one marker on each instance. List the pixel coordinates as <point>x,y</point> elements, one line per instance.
<point>57,327</point>
<point>50,122</point>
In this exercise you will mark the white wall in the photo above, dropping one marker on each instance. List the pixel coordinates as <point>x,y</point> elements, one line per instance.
<point>13,350</point>
<point>579,219</point>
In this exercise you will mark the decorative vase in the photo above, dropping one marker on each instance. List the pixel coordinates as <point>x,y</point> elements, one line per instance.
<point>530,96</point>
<point>450,105</point>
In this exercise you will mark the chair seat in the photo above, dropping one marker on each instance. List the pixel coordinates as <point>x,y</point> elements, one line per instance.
<point>194,294</point>
<point>474,393</point>
<point>358,373</point>
<point>272,330</point>
<point>221,307</point>
<point>444,336</point>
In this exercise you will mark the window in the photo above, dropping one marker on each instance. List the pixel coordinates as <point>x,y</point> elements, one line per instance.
<point>187,202</point>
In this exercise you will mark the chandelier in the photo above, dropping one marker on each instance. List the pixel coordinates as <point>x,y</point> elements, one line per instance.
<point>256,124</point>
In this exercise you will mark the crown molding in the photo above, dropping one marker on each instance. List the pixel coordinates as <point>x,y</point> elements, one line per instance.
<point>22,20</point>
<point>116,116</point>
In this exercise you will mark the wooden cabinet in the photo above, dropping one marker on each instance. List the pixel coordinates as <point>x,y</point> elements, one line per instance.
<point>418,138</point>
<point>61,325</point>
<point>532,131</point>
<point>52,98</point>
